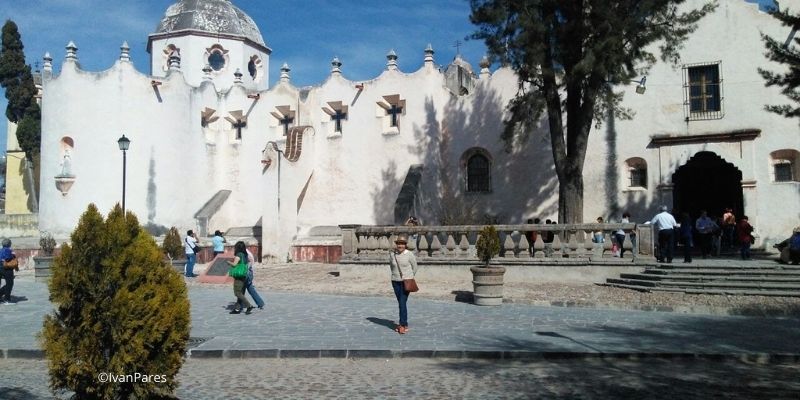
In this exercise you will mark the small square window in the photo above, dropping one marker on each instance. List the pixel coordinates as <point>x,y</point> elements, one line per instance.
<point>784,172</point>
<point>639,177</point>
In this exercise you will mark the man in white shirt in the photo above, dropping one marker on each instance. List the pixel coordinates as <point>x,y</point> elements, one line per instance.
<point>189,246</point>
<point>664,223</point>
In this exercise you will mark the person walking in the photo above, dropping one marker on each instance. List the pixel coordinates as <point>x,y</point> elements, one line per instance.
<point>794,246</point>
<point>745,233</point>
<point>664,224</point>
<point>191,249</point>
<point>249,286</point>
<point>403,265</point>
<point>218,241</point>
<point>598,238</point>
<point>705,230</point>
<point>10,264</point>
<point>239,282</point>
<point>619,235</point>
<point>686,237</point>
<point>728,227</point>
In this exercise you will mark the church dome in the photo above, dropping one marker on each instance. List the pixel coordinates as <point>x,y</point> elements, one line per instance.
<point>211,16</point>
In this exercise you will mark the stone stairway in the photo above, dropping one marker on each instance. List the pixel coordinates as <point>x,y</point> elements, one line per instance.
<point>765,278</point>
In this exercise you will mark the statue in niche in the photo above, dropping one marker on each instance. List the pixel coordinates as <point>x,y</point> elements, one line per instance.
<point>66,164</point>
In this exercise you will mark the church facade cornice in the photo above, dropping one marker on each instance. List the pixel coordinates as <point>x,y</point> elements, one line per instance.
<point>738,135</point>
<point>193,32</point>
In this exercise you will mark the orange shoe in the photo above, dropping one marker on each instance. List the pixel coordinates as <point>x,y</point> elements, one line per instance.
<point>402,330</point>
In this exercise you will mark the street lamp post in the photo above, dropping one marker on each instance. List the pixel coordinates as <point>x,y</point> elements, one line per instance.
<point>123,143</point>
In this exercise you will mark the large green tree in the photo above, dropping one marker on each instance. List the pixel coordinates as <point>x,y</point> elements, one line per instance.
<point>17,80</point>
<point>120,310</point>
<point>568,55</point>
<point>786,53</point>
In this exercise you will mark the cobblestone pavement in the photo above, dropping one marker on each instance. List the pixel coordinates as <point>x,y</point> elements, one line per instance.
<point>295,321</point>
<point>444,379</point>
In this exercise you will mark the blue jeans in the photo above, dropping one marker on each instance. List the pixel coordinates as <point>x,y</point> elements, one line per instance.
<point>248,284</point>
<point>620,238</point>
<point>190,259</point>
<point>745,250</point>
<point>402,298</point>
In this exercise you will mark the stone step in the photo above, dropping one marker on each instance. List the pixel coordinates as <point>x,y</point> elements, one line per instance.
<point>788,287</point>
<point>778,278</point>
<point>753,267</point>
<point>731,292</point>
<point>722,272</point>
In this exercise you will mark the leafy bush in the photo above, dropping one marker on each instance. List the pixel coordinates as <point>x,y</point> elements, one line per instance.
<point>173,247</point>
<point>488,244</point>
<point>119,310</point>
<point>47,244</point>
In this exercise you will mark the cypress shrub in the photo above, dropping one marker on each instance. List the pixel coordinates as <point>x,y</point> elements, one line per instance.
<point>488,244</point>
<point>173,247</point>
<point>119,310</point>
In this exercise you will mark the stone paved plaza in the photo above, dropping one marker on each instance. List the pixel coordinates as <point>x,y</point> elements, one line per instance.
<point>293,323</point>
<point>450,379</point>
<point>454,350</point>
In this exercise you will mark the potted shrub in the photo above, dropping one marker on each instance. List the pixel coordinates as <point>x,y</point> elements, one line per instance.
<point>487,280</point>
<point>173,249</point>
<point>43,261</point>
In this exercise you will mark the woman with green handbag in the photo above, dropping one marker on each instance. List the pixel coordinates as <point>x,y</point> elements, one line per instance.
<point>238,272</point>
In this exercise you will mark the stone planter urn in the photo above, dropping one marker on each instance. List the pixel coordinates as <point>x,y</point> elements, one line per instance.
<point>487,285</point>
<point>41,267</point>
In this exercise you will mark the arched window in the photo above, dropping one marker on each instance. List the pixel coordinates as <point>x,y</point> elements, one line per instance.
<point>637,172</point>
<point>478,165</point>
<point>785,165</point>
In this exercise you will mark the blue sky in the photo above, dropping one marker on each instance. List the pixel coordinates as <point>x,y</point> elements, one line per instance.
<point>306,34</point>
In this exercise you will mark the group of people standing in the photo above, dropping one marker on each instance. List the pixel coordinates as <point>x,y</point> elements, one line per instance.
<point>712,235</point>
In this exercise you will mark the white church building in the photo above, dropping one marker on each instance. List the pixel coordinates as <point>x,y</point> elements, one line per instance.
<point>216,143</point>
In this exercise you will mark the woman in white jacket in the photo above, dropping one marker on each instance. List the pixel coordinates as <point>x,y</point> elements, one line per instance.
<point>403,265</point>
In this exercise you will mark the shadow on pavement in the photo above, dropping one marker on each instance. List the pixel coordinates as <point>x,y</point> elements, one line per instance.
<point>16,394</point>
<point>382,322</point>
<point>463,296</point>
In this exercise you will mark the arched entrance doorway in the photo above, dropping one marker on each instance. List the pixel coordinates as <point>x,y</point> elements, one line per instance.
<point>707,182</point>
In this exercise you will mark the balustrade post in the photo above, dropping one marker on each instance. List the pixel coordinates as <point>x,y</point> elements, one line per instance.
<point>508,246</point>
<point>423,245</point>
<point>372,245</point>
<point>450,245</point>
<point>524,246</point>
<point>573,244</point>
<point>463,244</point>
<point>558,247</point>
<point>538,247</point>
<point>436,245</point>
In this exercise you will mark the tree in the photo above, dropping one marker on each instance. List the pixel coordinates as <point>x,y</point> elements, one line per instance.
<point>17,80</point>
<point>789,55</point>
<point>568,54</point>
<point>119,310</point>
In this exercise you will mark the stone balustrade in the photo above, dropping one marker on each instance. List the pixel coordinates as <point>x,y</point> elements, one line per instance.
<point>433,244</point>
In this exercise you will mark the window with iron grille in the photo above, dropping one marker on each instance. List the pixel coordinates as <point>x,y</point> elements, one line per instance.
<point>784,171</point>
<point>703,91</point>
<point>639,177</point>
<point>478,174</point>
